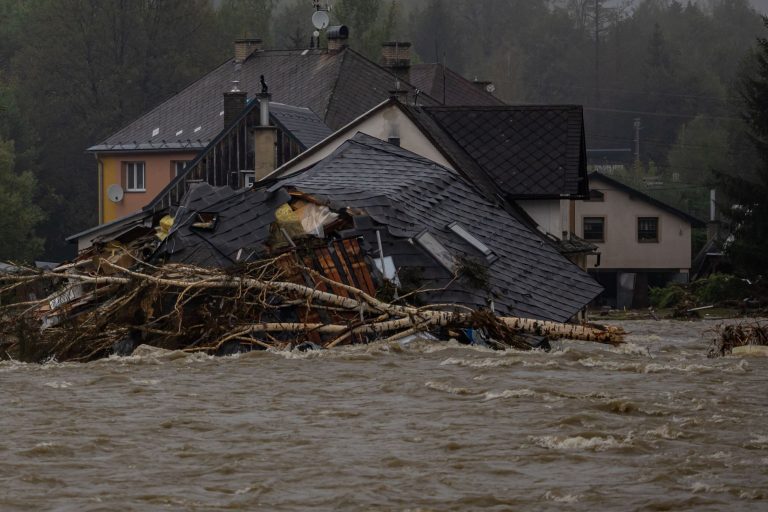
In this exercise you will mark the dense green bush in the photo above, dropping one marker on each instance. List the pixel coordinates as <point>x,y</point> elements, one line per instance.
<point>713,289</point>
<point>667,297</point>
<point>718,288</point>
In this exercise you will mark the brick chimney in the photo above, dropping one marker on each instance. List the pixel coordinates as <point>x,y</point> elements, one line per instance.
<point>245,47</point>
<point>338,37</point>
<point>396,56</point>
<point>234,103</point>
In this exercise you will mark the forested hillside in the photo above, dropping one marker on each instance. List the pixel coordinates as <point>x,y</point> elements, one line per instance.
<point>73,71</point>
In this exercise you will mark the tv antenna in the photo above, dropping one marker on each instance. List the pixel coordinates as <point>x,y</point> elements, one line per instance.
<point>320,20</point>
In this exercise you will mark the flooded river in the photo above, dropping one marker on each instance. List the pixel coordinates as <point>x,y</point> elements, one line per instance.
<point>652,425</point>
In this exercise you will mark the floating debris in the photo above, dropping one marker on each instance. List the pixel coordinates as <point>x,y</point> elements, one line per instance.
<point>101,308</point>
<point>734,338</point>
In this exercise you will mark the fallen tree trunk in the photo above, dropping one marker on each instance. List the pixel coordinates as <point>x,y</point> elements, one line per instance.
<point>190,308</point>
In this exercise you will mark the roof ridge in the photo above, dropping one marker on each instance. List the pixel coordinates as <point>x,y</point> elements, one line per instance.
<point>393,75</point>
<point>335,84</point>
<point>656,202</point>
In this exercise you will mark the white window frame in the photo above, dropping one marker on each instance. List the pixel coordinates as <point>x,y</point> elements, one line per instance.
<point>135,176</point>
<point>179,166</point>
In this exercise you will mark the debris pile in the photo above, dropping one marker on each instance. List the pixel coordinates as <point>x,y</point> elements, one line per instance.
<point>101,307</point>
<point>729,337</point>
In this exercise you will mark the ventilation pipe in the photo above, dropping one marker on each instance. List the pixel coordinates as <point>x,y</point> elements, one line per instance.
<point>338,37</point>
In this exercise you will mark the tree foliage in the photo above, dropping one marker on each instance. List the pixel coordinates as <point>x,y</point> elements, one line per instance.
<point>748,194</point>
<point>19,215</point>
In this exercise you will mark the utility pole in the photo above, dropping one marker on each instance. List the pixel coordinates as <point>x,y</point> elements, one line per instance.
<point>597,52</point>
<point>638,126</point>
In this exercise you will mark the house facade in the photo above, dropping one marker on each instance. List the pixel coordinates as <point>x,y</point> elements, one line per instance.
<point>642,242</point>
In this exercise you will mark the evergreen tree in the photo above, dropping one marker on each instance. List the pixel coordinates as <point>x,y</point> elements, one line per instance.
<point>748,194</point>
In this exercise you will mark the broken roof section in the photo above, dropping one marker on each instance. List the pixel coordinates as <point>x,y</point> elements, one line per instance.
<point>430,220</point>
<point>521,152</point>
<point>337,86</point>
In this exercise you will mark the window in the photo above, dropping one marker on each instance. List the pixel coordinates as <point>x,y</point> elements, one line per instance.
<point>596,195</point>
<point>647,229</point>
<point>438,251</point>
<point>594,229</point>
<point>134,176</point>
<point>177,166</point>
<point>472,240</point>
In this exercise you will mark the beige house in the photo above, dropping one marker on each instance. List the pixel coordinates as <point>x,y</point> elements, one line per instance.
<point>642,241</point>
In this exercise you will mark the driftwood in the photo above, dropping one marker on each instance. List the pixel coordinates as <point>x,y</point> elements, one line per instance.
<point>101,308</point>
<point>729,336</point>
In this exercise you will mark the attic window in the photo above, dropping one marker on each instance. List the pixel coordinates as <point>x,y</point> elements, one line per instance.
<point>472,240</point>
<point>221,113</point>
<point>179,132</point>
<point>198,129</point>
<point>395,141</point>
<point>436,250</point>
<point>596,196</point>
<point>155,132</point>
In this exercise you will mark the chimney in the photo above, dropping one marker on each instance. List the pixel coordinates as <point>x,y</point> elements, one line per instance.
<point>234,103</point>
<point>245,47</point>
<point>398,93</point>
<point>396,56</point>
<point>264,140</point>
<point>338,37</point>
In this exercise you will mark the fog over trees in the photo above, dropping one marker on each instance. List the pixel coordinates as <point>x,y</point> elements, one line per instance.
<point>74,71</point>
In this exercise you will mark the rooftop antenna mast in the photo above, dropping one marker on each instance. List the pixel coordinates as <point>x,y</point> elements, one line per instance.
<point>320,20</point>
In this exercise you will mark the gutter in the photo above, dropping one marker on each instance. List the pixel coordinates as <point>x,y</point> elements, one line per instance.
<point>100,171</point>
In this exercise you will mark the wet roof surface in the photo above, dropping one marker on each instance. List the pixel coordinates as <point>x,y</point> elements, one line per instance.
<point>523,151</point>
<point>337,86</point>
<point>409,194</point>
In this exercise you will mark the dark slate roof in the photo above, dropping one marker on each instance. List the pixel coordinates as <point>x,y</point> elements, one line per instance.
<point>521,151</point>
<point>300,122</point>
<point>449,87</point>
<point>696,223</point>
<point>244,219</point>
<point>338,86</point>
<point>303,124</point>
<point>409,194</point>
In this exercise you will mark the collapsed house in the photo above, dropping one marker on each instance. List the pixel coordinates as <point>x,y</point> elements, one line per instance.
<point>423,227</point>
<point>372,242</point>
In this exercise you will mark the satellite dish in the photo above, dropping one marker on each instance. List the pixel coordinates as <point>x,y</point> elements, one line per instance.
<point>320,19</point>
<point>490,88</point>
<point>115,193</point>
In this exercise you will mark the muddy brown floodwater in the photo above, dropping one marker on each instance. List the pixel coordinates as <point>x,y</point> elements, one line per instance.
<point>652,425</point>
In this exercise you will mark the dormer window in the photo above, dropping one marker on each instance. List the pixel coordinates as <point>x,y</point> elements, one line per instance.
<point>472,240</point>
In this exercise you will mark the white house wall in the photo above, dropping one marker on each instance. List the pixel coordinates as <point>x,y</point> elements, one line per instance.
<point>547,213</point>
<point>387,123</point>
<point>621,250</point>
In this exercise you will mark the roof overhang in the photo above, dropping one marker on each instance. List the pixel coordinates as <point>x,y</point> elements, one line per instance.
<point>169,147</point>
